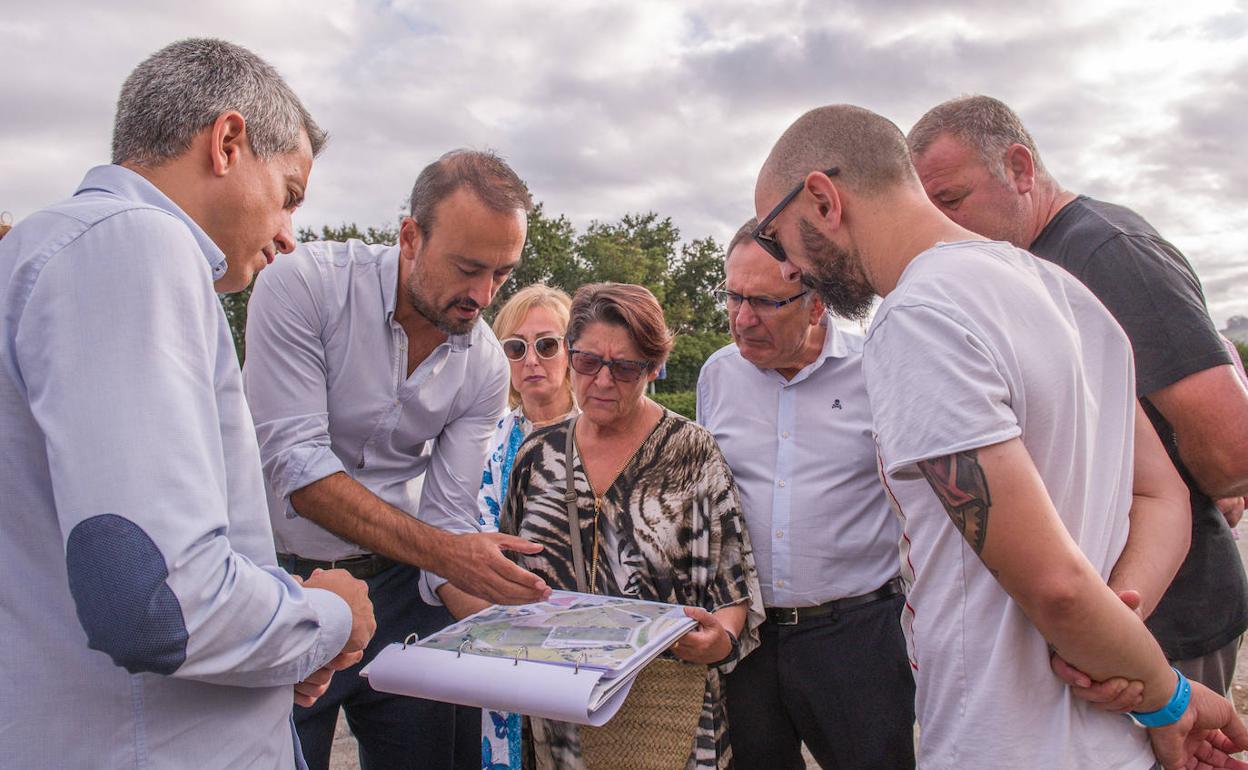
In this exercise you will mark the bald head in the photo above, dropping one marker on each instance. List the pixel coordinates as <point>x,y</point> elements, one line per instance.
<point>869,150</point>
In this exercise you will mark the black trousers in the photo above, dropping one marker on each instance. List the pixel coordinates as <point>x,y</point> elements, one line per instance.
<point>394,732</point>
<point>839,683</point>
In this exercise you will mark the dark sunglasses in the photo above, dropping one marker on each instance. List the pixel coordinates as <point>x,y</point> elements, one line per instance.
<point>769,242</point>
<point>622,370</point>
<point>516,348</point>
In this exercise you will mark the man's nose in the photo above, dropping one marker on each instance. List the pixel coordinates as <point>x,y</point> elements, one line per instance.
<point>284,241</point>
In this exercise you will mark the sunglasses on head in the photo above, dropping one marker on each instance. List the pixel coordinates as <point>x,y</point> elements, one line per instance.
<point>516,348</point>
<point>622,369</point>
<point>769,242</point>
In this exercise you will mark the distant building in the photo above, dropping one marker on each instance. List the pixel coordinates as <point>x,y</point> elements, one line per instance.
<point>1237,329</point>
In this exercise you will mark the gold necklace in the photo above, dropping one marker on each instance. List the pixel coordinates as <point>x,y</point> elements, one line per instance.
<point>598,499</point>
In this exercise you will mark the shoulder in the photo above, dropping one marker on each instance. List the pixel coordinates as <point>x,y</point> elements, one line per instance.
<point>680,435</point>
<point>723,363</point>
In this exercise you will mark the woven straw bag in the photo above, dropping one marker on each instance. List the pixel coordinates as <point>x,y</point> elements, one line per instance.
<point>656,726</point>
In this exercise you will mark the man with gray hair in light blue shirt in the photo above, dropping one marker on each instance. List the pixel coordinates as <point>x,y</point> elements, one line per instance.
<point>146,621</point>
<point>787,404</point>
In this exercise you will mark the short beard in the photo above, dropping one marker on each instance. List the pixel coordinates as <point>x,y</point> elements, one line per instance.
<point>832,276</point>
<point>441,319</point>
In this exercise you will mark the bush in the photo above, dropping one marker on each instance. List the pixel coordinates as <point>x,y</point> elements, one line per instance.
<point>688,355</point>
<point>682,402</point>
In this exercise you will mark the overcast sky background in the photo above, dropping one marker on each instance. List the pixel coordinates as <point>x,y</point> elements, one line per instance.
<point>609,107</point>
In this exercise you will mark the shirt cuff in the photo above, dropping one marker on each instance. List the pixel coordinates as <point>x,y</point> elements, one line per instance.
<point>429,585</point>
<point>313,464</point>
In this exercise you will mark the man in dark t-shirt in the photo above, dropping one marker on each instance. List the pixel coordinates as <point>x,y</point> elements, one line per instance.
<point>980,166</point>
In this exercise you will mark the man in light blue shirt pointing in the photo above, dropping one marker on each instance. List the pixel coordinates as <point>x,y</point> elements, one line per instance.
<point>146,621</point>
<point>788,405</point>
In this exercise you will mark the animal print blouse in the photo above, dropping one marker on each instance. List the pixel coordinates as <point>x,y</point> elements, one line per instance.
<point>673,533</point>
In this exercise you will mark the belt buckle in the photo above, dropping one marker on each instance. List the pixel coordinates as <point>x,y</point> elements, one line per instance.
<point>786,616</point>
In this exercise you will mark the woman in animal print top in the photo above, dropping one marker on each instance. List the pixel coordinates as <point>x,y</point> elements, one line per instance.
<point>659,514</point>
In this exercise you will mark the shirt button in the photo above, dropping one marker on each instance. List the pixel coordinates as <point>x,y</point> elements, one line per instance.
<point>784,435</point>
<point>779,533</point>
<point>779,584</point>
<point>780,483</point>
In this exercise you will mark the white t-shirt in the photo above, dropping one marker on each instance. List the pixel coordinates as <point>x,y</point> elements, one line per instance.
<point>979,343</point>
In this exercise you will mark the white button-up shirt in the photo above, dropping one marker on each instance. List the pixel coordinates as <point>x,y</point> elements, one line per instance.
<point>145,621</point>
<point>326,377</point>
<point>804,460</point>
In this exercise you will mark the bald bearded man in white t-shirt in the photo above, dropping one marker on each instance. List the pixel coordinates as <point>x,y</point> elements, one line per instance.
<point>1002,393</point>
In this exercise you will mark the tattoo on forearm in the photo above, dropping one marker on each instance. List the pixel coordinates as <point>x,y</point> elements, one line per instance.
<point>959,481</point>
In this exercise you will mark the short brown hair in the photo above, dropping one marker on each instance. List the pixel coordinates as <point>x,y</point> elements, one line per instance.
<point>516,309</point>
<point>628,306</point>
<point>986,125</point>
<point>486,174</point>
<point>869,151</point>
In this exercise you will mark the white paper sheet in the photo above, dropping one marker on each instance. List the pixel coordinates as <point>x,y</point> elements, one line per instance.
<point>501,684</point>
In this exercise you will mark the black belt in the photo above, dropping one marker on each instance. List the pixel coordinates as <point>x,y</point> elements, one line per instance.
<point>791,616</point>
<point>362,567</point>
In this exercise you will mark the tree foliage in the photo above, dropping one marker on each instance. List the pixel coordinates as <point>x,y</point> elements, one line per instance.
<point>641,248</point>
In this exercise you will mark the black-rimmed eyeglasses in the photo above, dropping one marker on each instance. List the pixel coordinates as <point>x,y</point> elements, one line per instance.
<point>622,369</point>
<point>769,243</point>
<point>760,305</point>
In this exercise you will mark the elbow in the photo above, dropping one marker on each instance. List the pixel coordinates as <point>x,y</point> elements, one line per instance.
<point>1057,600</point>
<point>119,583</point>
<point>1222,471</point>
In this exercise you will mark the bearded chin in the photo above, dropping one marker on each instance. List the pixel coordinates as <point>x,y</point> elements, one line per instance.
<point>832,277</point>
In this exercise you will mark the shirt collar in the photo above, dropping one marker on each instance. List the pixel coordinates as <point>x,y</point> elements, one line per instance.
<point>124,183</point>
<point>388,274</point>
<point>833,347</point>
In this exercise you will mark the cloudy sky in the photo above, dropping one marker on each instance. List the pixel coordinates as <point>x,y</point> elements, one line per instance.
<point>613,107</point>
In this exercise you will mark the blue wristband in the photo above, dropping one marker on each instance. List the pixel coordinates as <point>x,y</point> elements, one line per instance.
<point>1172,711</point>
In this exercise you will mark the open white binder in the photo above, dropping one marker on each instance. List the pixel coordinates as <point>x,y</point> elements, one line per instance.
<point>572,658</point>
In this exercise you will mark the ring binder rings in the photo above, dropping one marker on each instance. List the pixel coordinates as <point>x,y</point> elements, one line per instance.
<point>572,658</point>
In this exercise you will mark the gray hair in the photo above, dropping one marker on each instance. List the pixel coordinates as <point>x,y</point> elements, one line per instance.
<point>984,124</point>
<point>868,149</point>
<point>185,86</point>
<point>485,173</point>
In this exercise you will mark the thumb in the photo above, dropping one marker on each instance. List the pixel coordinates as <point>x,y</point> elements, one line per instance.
<point>1234,730</point>
<point>1131,598</point>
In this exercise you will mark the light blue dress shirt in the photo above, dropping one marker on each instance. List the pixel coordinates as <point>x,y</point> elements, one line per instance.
<point>326,377</point>
<point>804,460</point>
<point>146,623</point>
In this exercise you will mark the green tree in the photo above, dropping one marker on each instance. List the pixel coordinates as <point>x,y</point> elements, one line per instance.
<point>691,307</point>
<point>549,257</point>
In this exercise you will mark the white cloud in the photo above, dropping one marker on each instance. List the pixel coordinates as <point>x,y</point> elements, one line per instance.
<point>607,108</point>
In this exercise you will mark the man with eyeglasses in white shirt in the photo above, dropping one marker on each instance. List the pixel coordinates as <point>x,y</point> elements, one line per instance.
<point>788,406</point>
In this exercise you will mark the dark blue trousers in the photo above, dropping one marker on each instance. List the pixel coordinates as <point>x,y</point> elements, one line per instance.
<point>394,732</point>
<point>841,684</point>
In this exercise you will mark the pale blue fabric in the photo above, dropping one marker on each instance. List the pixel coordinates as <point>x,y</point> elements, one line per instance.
<point>123,427</point>
<point>500,731</point>
<point>803,456</point>
<point>326,377</point>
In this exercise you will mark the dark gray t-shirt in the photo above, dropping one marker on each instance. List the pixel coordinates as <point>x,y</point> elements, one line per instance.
<point>1152,291</point>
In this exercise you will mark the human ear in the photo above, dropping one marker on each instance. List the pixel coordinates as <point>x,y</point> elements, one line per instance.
<point>1021,167</point>
<point>228,140</point>
<point>410,238</point>
<point>827,198</point>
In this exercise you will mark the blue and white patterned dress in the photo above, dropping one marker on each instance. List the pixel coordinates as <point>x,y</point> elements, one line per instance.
<point>500,732</point>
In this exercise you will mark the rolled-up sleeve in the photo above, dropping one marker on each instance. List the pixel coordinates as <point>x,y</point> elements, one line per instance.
<point>285,378</point>
<point>121,370</point>
<point>449,498</point>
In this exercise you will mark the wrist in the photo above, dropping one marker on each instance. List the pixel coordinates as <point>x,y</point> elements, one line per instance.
<point>734,649</point>
<point>1172,710</point>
